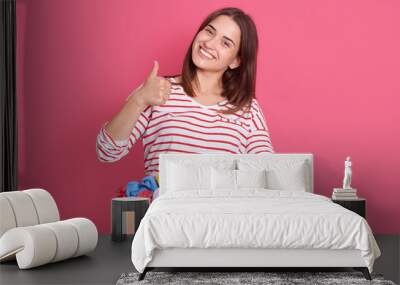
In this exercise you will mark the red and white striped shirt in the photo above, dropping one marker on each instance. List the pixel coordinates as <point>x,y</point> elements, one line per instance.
<point>183,125</point>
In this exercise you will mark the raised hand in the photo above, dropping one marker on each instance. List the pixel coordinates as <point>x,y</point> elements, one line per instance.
<point>155,90</point>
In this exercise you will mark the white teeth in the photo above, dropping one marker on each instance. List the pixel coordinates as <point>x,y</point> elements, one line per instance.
<point>206,54</point>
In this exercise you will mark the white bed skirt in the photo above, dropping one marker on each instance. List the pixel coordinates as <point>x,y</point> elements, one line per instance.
<point>212,257</point>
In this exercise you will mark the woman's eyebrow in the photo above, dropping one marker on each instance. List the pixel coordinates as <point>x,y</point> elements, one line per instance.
<point>223,36</point>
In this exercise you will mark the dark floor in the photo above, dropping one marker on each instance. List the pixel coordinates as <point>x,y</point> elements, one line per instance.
<point>110,260</point>
<point>102,266</point>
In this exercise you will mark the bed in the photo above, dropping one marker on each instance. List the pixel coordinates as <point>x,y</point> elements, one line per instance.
<point>247,210</point>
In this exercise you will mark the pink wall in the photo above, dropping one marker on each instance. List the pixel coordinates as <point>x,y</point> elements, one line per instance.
<point>328,82</point>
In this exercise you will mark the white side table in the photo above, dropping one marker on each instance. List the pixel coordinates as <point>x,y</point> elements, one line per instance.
<point>122,208</point>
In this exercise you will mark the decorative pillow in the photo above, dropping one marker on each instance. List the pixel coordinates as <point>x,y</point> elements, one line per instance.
<point>223,179</point>
<point>236,179</point>
<point>192,172</point>
<point>282,174</point>
<point>251,178</point>
<point>181,178</point>
<point>287,179</point>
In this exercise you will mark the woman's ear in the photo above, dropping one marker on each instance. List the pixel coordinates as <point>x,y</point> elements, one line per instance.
<point>235,63</point>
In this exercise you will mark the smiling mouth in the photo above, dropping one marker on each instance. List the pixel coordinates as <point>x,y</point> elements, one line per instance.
<point>205,54</point>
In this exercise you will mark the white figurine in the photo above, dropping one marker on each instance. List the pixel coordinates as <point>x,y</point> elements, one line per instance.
<point>347,174</point>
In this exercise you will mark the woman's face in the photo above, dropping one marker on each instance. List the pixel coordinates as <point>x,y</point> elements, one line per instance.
<point>215,48</point>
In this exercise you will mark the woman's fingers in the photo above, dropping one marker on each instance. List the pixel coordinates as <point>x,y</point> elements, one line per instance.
<point>156,89</point>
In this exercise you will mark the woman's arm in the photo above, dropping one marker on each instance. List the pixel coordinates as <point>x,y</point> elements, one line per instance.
<point>121,125</point>
<point>127,127</point>
<point>117,137</point>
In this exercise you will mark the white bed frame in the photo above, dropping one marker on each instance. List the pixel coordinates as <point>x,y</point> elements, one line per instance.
<point>250,257</point>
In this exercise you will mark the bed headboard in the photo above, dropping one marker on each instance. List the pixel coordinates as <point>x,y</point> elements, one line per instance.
<point>209,158</point>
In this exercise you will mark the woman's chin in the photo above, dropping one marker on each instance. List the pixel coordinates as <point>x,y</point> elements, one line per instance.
<point>200,64</point>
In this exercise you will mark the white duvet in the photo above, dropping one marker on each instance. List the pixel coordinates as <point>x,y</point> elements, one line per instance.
<point>250,218</point>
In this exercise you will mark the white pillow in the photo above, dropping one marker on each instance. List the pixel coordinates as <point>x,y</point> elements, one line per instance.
<point>282,174</point>
<point>223,179</point>
<point>287,179</point>
<point>251,178</point>
<point>181,177</point>
<point>237,179</point>
<point>195,173</point>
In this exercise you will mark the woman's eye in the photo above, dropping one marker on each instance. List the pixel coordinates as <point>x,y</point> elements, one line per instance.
<point>208,31</point>
<point>226,44</point>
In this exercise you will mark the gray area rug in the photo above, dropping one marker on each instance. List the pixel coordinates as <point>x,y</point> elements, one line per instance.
<point>231,278</point>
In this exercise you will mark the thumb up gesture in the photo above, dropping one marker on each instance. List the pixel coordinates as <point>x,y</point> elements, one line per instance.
<point>155,90</point>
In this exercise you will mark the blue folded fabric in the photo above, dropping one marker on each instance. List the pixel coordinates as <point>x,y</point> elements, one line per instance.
<point>133,188</point>
<point>150,182</point>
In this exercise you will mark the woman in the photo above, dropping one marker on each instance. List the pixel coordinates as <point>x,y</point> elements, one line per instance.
<point>211,107</point>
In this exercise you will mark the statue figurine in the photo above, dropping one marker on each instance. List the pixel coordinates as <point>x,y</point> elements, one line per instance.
<point>347,174</point>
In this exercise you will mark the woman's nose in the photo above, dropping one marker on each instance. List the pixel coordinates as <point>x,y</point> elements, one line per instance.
<point>211,43</point>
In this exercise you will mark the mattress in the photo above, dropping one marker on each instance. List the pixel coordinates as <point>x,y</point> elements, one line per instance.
<point>253,219</point>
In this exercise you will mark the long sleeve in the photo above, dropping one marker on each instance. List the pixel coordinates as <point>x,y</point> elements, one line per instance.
<point>111,150</point>
<point>259,140</point>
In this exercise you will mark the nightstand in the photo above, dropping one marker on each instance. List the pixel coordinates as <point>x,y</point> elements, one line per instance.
<point>126,214</point>
<point>358,206</point>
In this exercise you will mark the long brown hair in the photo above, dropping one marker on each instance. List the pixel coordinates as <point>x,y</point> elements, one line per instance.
<point>238,83</point>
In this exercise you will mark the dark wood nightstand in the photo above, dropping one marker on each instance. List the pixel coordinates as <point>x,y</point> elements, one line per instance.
<point>126,214</point>
<point>358,206</point>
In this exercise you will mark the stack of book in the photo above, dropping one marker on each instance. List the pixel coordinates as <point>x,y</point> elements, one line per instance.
<point>344,194</point>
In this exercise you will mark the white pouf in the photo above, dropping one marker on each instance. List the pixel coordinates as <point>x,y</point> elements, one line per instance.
<point>31,232</point>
